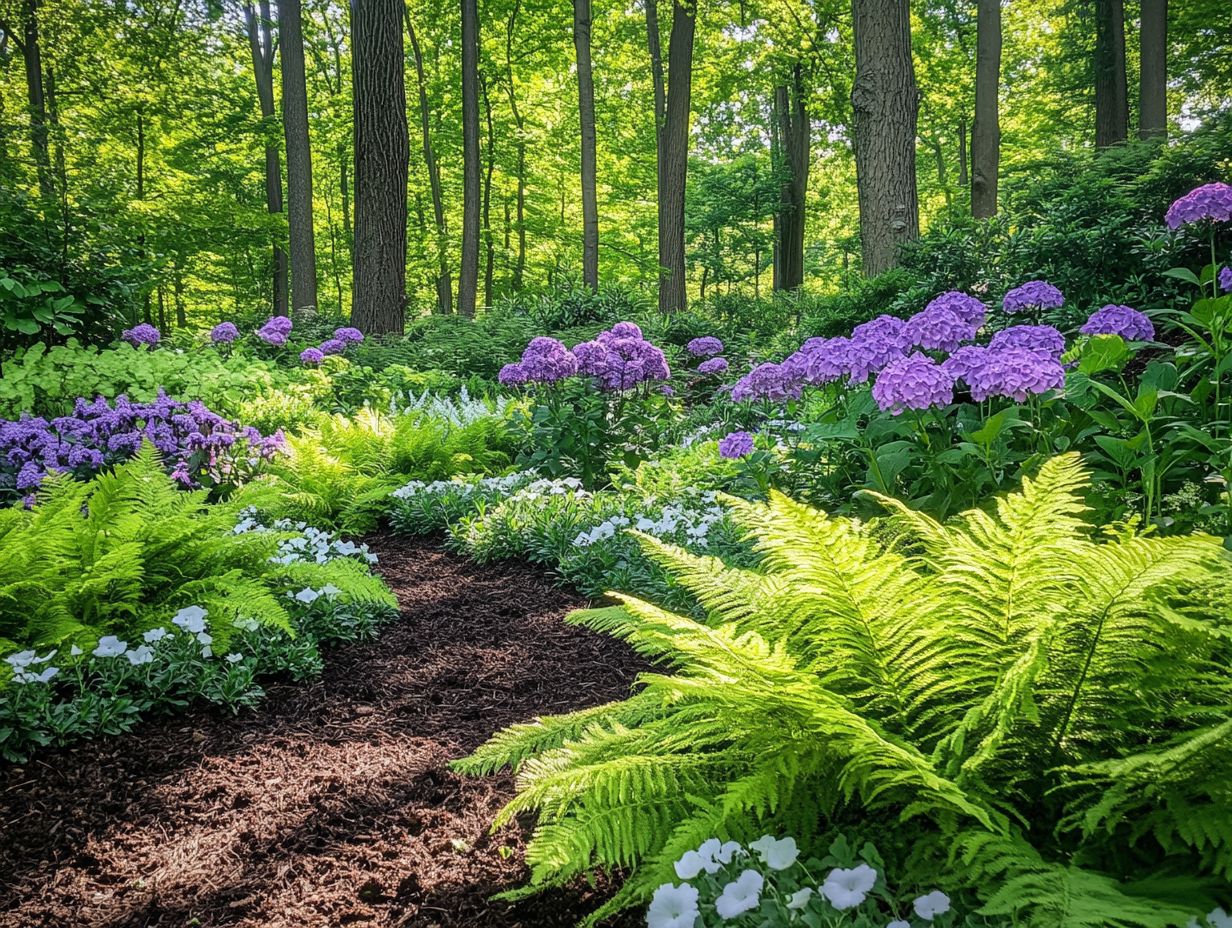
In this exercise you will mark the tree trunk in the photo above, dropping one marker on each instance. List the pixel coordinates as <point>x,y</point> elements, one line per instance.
<point>489,248</point>
<point>261,45</point>
<point>886,104</point>
<point>519,267</point>
<point>32,57</point>
<point>963,177</point>
<point>1153,79</point>
<point>986,130</point>
<point>586,117</point>
<point>344,188</point>
<point>795,130</point>
<point>444,285</point>
<point>1111,95</point>
<point>378,292</point>
<point>673,155</point>
<point>468,273</point>
<point>299,158</point>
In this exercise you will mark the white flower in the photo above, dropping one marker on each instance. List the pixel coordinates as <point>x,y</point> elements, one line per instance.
<point>207,651</point>
<point>307,595</point>
<point>899,923</point>
<point>141,655</point>
<point>1219,919</point>
<point>673,907</point>
<point>247,624</point>
<point>20,660</point>
<point>740,895</point>
<point>110,646</point>
<point>191,619</point>
<point>800,899</point>
<point>727,850</point>
<point>234,658</point>
<point>155,635</point>
<point>690,864</point>
<point>75,651</point>
<point>934,904</point>
<point>777,855</point>
<point>205,638</point>
<point>330,590</point>
<point>846,889</point>
<point>26,676</point>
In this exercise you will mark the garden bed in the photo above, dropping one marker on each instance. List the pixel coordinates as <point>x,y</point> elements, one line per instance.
<point>332,803</point>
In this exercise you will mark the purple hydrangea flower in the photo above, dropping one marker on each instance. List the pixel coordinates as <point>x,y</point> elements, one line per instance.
<point>511,375</point>
<point>625,330</point>
<point>143,334</point>
<point>349,335</point>
<point>913,382</point>
<point>1015,373</point>
<point>276,331</point>
<point>312,356</point>
<point>939,329</point>
<point>1124,321</point>
<point>621,359</point>
<point>966,307</point>
<point>712,366</point>
<point>736,445</point>
<point>960,364</point>
<point>547,360</point>
<point>875,344</point>
<point>1043,338</point>
<point>704,347</point>
<point>818,361</point>
<point>1210,202</point>
<point>1225,279</point>
<point>767,381</point>
<point>1034,294</point>
<point>224,333</point>
<point>332,346</point>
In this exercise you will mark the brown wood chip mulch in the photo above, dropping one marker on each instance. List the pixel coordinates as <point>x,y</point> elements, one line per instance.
<point>331,804</point>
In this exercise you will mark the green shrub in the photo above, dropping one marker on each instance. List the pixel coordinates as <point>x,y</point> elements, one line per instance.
<point>1022,708</point>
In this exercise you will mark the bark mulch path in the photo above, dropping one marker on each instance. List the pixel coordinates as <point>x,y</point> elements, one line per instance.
<point>331,805</point>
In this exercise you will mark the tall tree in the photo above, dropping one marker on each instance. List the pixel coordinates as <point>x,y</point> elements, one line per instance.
<point>1153,79</point>
<point>586,118</point>
<point>519,122</point>
<point>886,104</point>
<point>261,45</point>
<point>1111,94</point>
<point>673,89</point>
<point>468,274</point>
<point>378,297</point>
<point>299,158</point>
<point>793,128</point>
<point>30,45</point>
<point>444,285</point>
<point>986,130</point>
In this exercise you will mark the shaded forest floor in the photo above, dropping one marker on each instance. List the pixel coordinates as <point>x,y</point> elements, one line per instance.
<point>331,804</point>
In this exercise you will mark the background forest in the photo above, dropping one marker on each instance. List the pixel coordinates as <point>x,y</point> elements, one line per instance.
<point>145,145</point>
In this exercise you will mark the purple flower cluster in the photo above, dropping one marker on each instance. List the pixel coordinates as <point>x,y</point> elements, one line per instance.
<point>348,335</point>
<point>713,366</point>
<point>143,334</point>
<point>939,328</point>
<point>312,356</point>
<point>818,361</point>
<point>1124,321</point>
<point>1225,279</point>
<point>224,333</point>
<point>706,346</point>
<point>775,383</point>
<point>1043,338</point>
<point>875,344</point>
<point>276,331</point>
<point>198,444</point>
<point>621,358</point>
<point>545,360</point>
<point>1210,202</point>
<point>966,307</point>
<point>1013,372</point>
<point>332,346</point>
<point>1034,294</point>
<point>736,445</point>
<point>913,382</point>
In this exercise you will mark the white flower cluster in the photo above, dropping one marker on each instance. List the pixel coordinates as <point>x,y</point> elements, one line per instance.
<point>458,412</point>
<point>466,488</point>
<point>308,595</point>
<point>1216,919</point>
<point>677,906</point>
<point>24,664</point>
<point>695,523</point>
<point>541,489</point>
<point>312,544</point>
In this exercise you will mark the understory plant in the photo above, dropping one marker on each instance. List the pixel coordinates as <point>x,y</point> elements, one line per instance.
<point>1025,706</point>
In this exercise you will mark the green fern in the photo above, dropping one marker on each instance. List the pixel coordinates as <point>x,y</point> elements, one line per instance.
<point>1048,712</point>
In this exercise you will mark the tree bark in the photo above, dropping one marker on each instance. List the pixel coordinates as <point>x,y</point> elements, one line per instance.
<point>1153,78</point>
<point>299,158</point>
<point>586,117</point>
<point>963,177</point>
<point>32,57</point>
<point>1111,95</point>
<point>519,267</point>
<point>489,247</point>
<point>378,292</point>
<point>673,152</point>
<point>886,104</point>
<point>986,130</point>
<point>444,284</point>
<point>261,44</point>
<point>795,131</point>
<point>468,273</point>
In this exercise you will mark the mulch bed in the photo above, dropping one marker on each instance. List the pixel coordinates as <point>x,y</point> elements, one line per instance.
<point>331,805</point>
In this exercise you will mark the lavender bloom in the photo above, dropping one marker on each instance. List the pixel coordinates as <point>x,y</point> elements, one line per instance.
<point>736,445</point>
<point>592,358</point>
<point>224,333</point>
<point>704,347</point>
<point>620,359</point>
<point>1043,338</point>
<point>349,335</point>
<point>143,334</point>
<point>713,366</point>
<point>875,344</point>
<point>962,362</point>
<point>1225,279</point>
<point>624,330</point>
<point>275,331</point>
<point>1124,321</point>
<point>1211,202</point>
<point>963,305</point>
<point>511,375</point>
<point>767,382</point>
<point>312,356</point>
<point>1015,373</point>
<point>332,346</point>
<point>939,329</point>
<point>547,360</point>
<point>913,382</point>
<point>1034,294</point>
<point>818,361</point>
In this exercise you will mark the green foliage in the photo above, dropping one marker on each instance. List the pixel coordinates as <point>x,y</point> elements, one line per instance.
<point>1003,693</point>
